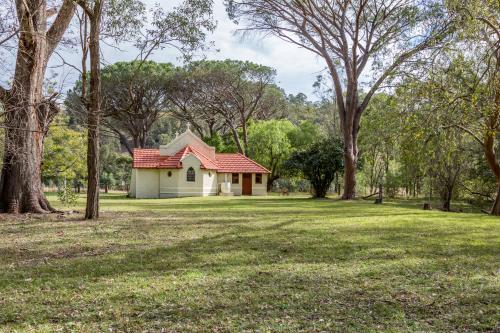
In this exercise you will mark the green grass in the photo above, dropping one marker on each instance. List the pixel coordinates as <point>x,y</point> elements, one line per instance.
<point>250,265</point>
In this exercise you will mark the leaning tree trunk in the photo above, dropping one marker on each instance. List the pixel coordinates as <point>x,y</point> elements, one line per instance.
<point>237,140</point>
<point>92,208</point>
<point>270,181</point>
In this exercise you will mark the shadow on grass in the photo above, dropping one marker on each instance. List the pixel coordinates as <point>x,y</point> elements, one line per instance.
<point>300,268</point>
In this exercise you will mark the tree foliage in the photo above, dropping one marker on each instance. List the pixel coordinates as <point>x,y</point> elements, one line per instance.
<point>270,145</point>
<point>134,98</point>
<point>218,95</point>
<point>64,156</point>
<point>319,164</point>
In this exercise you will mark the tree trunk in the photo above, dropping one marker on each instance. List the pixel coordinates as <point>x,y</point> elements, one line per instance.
<point>491,158</point>
<point>245,138</point>
<point>446,200</point>
<point>27,113</point>
<point>237,140</point>
<point>21,188</point>
<point>495,210</point>
<point>270,182</point>
<point>319,192</point>
<point>350,165</point>
<point>92,209</point>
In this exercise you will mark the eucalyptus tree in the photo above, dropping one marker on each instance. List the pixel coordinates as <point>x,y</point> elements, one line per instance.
<point>350,36</point>
<point>35,33</point>
<point>93,12</point>
<point>471,81</point>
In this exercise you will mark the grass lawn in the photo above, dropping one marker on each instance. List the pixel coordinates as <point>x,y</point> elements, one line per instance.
<point>250,265</point>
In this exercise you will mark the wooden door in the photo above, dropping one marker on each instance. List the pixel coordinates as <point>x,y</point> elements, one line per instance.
<point>247,184</point>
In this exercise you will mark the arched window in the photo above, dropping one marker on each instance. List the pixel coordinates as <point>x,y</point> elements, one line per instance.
<point>191,175</point>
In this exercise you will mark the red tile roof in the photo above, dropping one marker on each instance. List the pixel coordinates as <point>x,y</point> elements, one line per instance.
<point>230,163</point>
<point>238,163</point>
<point>147,158</point>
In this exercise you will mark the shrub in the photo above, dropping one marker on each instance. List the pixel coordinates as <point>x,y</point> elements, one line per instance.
<point>319,164</point>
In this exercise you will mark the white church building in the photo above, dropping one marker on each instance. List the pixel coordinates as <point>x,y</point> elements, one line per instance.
<point>188,167</point>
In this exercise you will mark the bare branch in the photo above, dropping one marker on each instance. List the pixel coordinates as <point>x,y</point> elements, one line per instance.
<point>61,23</point>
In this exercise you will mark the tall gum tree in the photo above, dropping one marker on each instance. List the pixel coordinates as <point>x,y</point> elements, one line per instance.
<point>28,113</point>
<point>94,13</point>
<point>479,93</point>
<point>349,36</point>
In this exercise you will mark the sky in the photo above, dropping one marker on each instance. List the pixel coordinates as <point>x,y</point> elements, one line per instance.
<point>296,68</point>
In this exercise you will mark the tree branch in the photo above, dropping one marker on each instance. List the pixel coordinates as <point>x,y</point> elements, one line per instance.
<point>61,23</point>
<point>6,39</point>
<point>400,60</point>
<point>468,131</point>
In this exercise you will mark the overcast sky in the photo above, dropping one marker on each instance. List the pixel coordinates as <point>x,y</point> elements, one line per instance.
<point>296,68</point>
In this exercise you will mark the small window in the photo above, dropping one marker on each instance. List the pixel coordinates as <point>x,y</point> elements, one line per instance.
<point>210,174</point>
<point>236,178</point>
<point>191,176</point>
<point>170,173</point>
<point>258,178</point>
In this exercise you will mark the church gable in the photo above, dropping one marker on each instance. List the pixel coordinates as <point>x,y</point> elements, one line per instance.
<point>187,138</point>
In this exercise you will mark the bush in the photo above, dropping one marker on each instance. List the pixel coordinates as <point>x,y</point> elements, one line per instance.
<point>66,195</point>
<point>319,164</point>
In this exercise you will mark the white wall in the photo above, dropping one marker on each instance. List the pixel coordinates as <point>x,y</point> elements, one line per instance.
<point>147,183</point>
<point>133,183</point>
<point>235,188</point>
<point>205,183</point>
<point>169,185</point>
<point>153,183</point>
<point>210,186</point>
<point>257,189</point>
